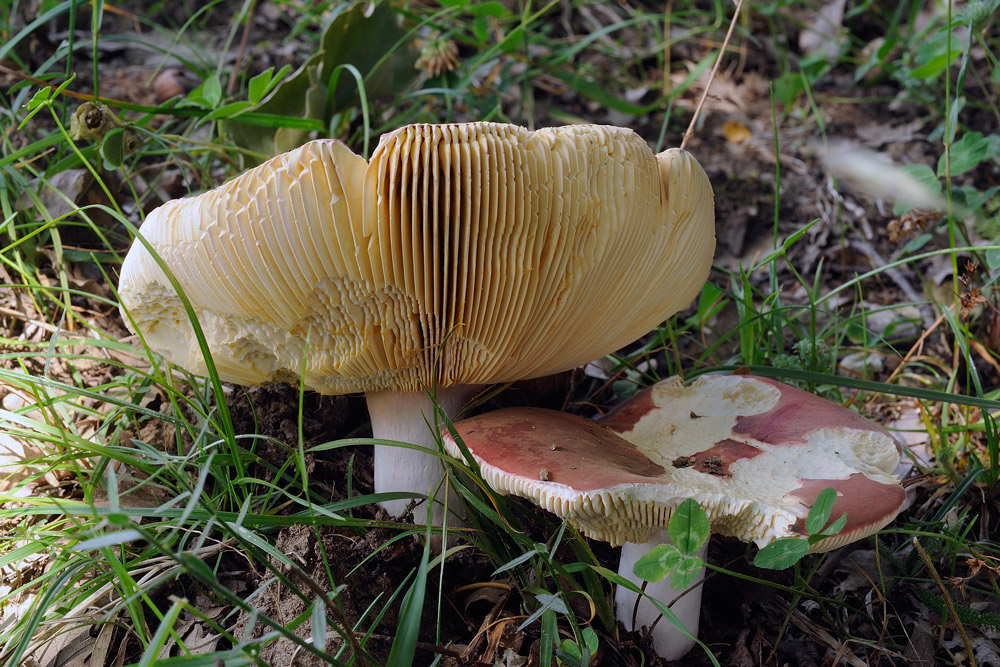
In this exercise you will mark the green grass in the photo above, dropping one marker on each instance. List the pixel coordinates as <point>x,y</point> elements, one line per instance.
<point>134,536</point>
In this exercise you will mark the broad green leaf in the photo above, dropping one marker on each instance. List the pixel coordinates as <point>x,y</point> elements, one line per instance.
<point>819,513</point>
<point>41,95</point>
<point>689,526</point>
<point>686,573</point>
<point>258,85</point>
<point>590,638</point>
<point>348,40</point>
<point>788,87</point>
<point>710,302</point>
<point>833,529</point>
<point>119,519</point>
<point>35,104</point>
<point>966,154</point>
<point>489,8</point>
<point>113,148</point>
<point>657,563</point>
<point>933,56</point>
<point>211,91</point>
<point>782,553</point>
<point>568,654</point>
<point>571,648</point>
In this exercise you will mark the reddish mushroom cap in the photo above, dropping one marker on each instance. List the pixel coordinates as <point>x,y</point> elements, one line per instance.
<point>753,452</point>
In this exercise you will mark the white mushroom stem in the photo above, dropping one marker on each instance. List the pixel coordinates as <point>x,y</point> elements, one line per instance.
<point>669,642</point>
<point>409,417</point>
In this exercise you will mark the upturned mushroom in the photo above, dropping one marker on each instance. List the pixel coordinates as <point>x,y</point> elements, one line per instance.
<point>754,453</point>
<point>460,255</point>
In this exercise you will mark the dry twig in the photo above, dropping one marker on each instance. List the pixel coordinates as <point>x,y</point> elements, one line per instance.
<point>715,70</point>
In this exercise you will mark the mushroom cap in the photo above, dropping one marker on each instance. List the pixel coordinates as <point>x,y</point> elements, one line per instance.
<point>460,254</point>
<point>753,452</point>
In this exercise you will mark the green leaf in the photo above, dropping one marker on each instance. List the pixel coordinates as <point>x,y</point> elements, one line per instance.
<point>40,97</point>
<point>211,91</point>
<point>831,530</point>
<point>258,85</point>
<point>230,110</point>
<point>689,526</point>
<point>404,646</point>
<point>686,573</point>
<point>513,40</point>
<point>317,623</point>
<point>819,513</point>
<point>953,114</point>
<point>197,567</point>
<point>349,38</point>
<point>550,635</point>
<point>788,87</point>
<point>150,655</point>
<point>933,56</point>
<point>966,154</point>
<point>590,639</point>
<point>113,148</point>
<point>782,553</point>
<point>571,648</point>
<point>568,654</point>
<point>119,519</point>
<point>208,95</point>
<point>35,104</point>
<point>259,542</point>
<point>554,602</point>
<point>511,564</point>
<point>489,8</point>
<point>657,563</point>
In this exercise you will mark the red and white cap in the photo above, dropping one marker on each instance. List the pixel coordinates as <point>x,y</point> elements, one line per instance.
<point>753,452</point>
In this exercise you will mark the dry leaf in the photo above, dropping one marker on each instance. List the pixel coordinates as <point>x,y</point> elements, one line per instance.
<point>735,131</point>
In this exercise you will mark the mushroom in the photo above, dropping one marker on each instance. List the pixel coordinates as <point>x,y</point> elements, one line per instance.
<point>460,255</point>
<point>754,453</point>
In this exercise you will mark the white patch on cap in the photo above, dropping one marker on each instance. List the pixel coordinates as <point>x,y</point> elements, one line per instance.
<point>699,415</point>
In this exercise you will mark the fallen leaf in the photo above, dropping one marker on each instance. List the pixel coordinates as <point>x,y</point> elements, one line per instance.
<point>735,131</point>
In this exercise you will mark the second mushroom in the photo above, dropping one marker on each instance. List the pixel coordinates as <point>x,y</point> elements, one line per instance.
<point>753,452</point>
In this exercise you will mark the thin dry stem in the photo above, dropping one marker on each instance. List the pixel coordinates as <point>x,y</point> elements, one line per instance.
<point>715,70</point>
<point>231,85</point>
<point>667,11</point>
<point>947,601</point>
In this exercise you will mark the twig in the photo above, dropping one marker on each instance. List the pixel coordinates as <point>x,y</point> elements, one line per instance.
<point>715,70</point>
<point>231,86</point>
<point>667,11</point>
<point>52,86</point>
<point>947,601</point>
